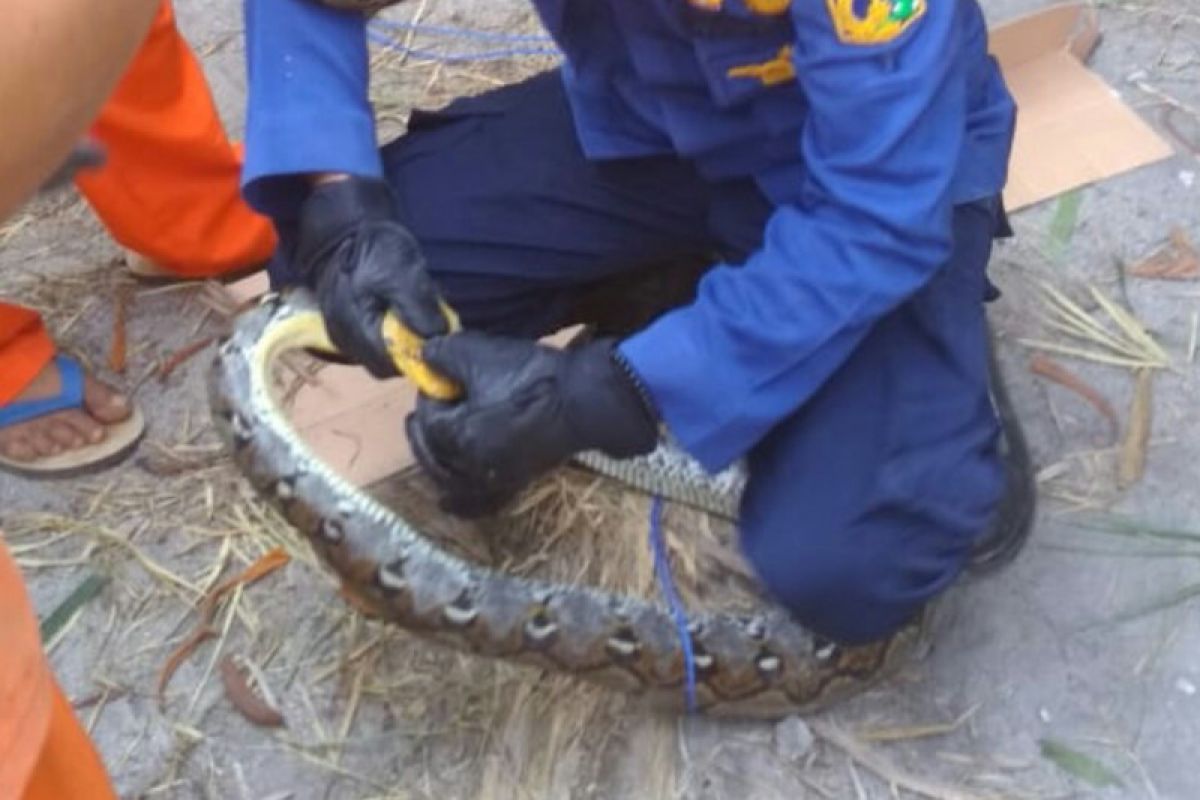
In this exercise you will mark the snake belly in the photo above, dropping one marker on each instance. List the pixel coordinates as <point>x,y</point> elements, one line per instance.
<point>761,664</point>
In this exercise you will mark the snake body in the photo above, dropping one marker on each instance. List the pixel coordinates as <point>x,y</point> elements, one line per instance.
<point>758,664</point>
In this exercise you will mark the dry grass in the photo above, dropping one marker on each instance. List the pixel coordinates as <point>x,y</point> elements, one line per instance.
<point>405,81</point>
<point>1088,326</point>
<point>1118,339</point>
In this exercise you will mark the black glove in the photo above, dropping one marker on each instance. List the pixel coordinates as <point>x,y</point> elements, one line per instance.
<point>361,263</point>
<point>526,409</point>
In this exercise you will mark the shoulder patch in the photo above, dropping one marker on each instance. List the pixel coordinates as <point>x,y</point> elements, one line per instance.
<point>884,20</point>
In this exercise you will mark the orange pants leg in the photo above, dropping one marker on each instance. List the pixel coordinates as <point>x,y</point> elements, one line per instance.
<point>170,190</point>
<point>44,752</point>
<point>25,349</point>
<point>24,683</point>
<point>68,765</point>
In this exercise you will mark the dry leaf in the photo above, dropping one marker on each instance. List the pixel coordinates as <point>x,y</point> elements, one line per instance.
<point>1175,261</point>
<point>245,699</point>
<point>1133,451</point>
<point>1053,371</point>
<point>203,631</point>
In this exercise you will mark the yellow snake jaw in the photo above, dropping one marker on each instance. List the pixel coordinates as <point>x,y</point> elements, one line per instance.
<point>758,665</point>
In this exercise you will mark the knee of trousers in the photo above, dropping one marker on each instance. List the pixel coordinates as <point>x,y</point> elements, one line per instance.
<point>865,580</point>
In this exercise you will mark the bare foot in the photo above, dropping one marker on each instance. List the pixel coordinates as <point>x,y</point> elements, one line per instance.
<point>65,430</point>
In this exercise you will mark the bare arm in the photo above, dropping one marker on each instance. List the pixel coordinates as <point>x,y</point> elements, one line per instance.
<point>58,62</point>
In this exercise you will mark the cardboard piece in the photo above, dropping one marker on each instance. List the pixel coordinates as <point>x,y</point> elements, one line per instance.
<point>1072,130</point>
<point>353,422</point>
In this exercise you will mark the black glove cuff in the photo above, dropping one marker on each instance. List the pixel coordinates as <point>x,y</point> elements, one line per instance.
<point>607,403</point>
<point>332,211</point>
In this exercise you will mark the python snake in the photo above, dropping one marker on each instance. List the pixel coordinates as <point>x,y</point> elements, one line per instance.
<point>762,664</point>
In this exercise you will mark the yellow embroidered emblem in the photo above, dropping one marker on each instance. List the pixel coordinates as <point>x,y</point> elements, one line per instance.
<point>779,69</point>
<point>768,8</point>
<point>884,21</point>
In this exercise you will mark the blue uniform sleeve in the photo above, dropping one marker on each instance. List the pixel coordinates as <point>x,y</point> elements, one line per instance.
<point>308,108</point>
<point>880,146</point>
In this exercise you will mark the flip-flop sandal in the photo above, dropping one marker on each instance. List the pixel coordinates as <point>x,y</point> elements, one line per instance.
<point>120,438</point>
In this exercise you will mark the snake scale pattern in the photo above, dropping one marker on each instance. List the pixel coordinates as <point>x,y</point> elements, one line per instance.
<point>757,665</point>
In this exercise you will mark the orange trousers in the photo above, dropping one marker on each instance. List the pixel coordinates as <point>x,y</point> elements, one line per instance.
<point>25,348</point>
<point>44,752</point>
<point>169,191</point>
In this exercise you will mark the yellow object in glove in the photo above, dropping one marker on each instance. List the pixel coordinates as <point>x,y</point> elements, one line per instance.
<point>404,346</point>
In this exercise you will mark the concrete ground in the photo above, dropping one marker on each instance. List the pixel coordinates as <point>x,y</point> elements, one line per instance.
<point>1074,668</point>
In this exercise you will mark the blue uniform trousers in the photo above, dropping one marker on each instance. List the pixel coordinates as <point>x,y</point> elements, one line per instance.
<point>862,505</point>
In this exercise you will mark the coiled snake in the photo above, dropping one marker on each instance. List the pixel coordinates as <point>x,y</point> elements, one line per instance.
<point>763,664</point>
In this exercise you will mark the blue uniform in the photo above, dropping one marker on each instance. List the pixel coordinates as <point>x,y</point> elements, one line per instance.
<point>849,188</point>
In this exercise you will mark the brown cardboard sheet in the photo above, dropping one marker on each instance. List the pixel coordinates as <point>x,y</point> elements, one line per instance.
<point>1072,127</point>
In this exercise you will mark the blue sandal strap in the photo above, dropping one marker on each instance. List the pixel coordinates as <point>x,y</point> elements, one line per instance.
<point>70,376</point>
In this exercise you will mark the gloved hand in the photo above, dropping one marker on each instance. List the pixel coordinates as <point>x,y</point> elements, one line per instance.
<point>361,263</point>
<point>526,408</point>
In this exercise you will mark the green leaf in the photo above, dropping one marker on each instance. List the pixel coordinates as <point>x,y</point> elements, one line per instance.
<point>1062,226</point>
<point>1083,767</point>
<point>84,593</point>
<point>1126,526</point>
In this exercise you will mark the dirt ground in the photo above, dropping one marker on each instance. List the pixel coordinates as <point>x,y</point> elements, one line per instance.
<point>1072,674</point>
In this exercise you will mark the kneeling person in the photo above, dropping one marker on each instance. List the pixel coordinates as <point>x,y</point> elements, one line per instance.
<point>843,171</point>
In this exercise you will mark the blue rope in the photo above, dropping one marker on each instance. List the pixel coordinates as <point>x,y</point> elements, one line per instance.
<point>662,568</point>
<point>463,33</point>
<point>486,55</point>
